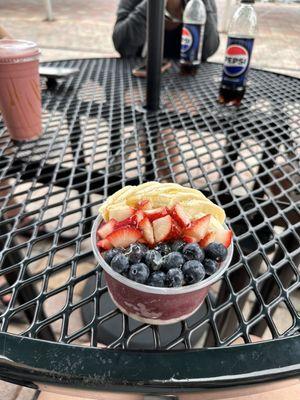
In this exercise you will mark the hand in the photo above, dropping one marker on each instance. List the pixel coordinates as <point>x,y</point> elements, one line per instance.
<point>175,9</point>
<point>4,34</point>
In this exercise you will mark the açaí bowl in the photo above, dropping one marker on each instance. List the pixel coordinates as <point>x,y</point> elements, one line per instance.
<point>155,305</point>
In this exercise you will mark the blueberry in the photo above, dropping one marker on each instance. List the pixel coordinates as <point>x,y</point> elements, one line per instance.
<point>216,251</point>
<point>152,259</point>
<point>119,263</point>
<point>192,251</point>
<point>157,279</point>
<point>174,277</point>
<point>163,248</point>
<point>210,266</point>
<point>109,254</point>
<point>178,245</point>
<point>135,252</point>
<point>193,271</point>
<point>172,260</point>
<point>139,272</point>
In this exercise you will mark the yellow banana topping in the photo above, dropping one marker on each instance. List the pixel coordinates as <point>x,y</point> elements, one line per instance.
<point>194,203</point>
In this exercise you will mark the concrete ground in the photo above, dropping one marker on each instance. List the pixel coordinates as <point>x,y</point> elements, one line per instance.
<point>83,29</point>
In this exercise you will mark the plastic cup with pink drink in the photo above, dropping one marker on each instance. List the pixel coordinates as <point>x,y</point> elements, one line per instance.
<point>20,93</point>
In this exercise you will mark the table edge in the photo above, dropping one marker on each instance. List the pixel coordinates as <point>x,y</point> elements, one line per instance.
<point>31,362</point>
<point>175,61</point>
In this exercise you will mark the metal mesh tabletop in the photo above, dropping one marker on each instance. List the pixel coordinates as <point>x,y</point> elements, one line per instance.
<point>95,141</point>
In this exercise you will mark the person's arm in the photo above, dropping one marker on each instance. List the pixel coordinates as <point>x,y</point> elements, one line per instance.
<point>211,36</point>
<point>129,33</point>
<point>4,33</point>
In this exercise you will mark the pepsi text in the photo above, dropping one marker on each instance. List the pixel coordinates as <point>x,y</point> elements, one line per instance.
<point>191,43</point>
<point>237,61</point>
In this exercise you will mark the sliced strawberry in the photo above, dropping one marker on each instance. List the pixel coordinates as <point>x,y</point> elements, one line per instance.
<point>156,213</point>
<point>189,239</point>
<point>175,231</point>
<point>139,215</point>
<point>147,229</point>
<point>144,205</point>
<point>198,228</point>
<point>121,213</point>
<point>127,222</point>
<point>208,238</point>
<point>179,215</point>
<point>162,228</point>
<point>142,240</point>
<point>107,228</point>
<point>223,236</point>
<point>123,237</point>
<point>104,244</point>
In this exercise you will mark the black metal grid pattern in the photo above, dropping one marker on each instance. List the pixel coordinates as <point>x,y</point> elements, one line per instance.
<point>95,141</point>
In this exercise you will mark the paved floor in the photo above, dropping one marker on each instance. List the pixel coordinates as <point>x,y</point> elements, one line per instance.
<point>282,390</point>
<point>83,29</point>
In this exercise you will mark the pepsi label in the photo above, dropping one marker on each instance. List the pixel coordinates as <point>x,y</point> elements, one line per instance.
<point>191,40</point>
<point>237,61</point>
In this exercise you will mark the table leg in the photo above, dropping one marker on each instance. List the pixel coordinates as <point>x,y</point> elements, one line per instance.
<point>79,158</point>
<point>151,147</point>
<point>155,39</point>
<point>273,143</point>
<point>232,153</point>
<point>265,165</point>
<point>116,128</point>
<point>49,12</point>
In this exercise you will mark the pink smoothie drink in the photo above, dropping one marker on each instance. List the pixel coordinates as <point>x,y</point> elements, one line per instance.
<point>20,94</point>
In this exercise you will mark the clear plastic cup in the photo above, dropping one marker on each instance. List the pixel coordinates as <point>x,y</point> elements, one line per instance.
<point>20,94</point>
<point>155,305</point>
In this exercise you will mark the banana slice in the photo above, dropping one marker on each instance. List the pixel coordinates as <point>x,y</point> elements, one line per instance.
<point>193,201</point>
<point>194,207</point>
<point>117,198</point>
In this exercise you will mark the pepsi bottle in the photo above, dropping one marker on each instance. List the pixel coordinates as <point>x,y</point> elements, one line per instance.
<point>240,42</point>
<point>194,18</point>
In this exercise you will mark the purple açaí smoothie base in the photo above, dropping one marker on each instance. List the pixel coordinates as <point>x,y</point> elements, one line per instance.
<point>154,308</point>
